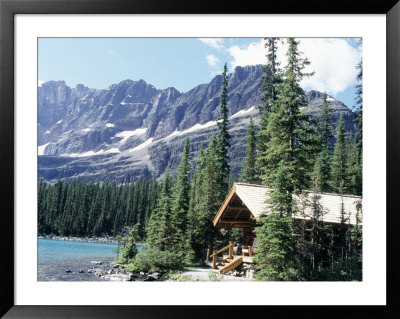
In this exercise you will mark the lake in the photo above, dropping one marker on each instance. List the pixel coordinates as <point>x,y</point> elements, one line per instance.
<point>55,257</point>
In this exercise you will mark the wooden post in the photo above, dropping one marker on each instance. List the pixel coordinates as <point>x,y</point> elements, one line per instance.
<point>214,266</point>
<point>231,250</point>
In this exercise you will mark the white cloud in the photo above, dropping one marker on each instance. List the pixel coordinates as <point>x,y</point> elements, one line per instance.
<point>252,54</point>
<point>215,43</point>
<point>212,60</point>
<point>334,61</point>
<point>40,83</point>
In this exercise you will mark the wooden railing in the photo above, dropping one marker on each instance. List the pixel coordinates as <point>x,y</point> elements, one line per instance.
<point>217,252</point>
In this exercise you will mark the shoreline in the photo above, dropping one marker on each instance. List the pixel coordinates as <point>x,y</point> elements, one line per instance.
<point>103,240</point>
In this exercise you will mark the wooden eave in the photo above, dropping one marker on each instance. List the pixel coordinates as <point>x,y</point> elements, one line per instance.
<point>233,213</point>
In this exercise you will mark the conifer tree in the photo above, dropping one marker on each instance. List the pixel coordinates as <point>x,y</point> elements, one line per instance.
<point>339,162</point>
<point>159,229</point>
<point>288,128</point>
<point>323,164</point>
<point>180,204</point>
<point>249,174</point>
<point>271,78</point>
<point>194,228</point>
<point>288,157</point>
<point>354,167</point>
<point>211,201</point>
<point>275,249</point>
<point>223,144</point>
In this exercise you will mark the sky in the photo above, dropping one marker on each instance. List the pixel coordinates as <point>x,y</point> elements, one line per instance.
<point>184,63</point>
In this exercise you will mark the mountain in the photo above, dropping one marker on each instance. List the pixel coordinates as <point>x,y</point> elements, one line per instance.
<point>133,130</point>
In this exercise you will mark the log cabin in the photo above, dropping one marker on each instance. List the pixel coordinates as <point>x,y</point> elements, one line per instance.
<point>245,203</point>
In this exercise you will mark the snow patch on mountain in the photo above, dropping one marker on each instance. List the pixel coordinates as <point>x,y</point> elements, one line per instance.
<point>127,134</point>
<point>88,129</point>
<point>113,150</point>
<point>143,145</point>
<point>110,125</point>
<point>242,112</point>
<point>59,121</point>
<point>41,148</point>
<point>194,128</point>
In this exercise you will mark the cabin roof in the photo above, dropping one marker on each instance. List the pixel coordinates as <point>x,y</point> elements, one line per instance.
<point>246,202</point>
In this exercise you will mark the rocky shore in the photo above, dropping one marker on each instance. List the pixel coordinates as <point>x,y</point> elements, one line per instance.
<point>114,272</point>
<point>104,240</point>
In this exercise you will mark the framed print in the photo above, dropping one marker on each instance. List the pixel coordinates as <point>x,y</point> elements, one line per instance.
<point>97,99</point>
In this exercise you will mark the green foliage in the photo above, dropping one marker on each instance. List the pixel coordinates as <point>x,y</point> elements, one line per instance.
<point>180,195</point>
<point>290,134</point>
<point>274,251</point>
<point>222,142</point>
<point>130,249</point>
<point>249,173</point>
<point>87,209</point>
<point>272,77</point>
<point>339,162</point>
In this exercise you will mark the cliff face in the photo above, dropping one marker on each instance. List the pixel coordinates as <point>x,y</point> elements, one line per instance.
<point>132,130</point>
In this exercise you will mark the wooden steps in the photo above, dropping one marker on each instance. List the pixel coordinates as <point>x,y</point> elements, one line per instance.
<point>229,264</point>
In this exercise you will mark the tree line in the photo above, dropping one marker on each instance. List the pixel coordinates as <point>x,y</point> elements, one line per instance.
<point>94,209</point>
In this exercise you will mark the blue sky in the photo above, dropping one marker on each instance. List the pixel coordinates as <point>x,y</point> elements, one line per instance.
<point>186,62</point>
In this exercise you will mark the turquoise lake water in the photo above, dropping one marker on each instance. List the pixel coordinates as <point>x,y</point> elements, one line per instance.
<point>55,257</point>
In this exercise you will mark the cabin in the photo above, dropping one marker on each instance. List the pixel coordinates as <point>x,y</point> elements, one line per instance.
<point>245,203</point>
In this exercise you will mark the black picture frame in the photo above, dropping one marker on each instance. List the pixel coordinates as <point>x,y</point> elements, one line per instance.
<point>8,9</point>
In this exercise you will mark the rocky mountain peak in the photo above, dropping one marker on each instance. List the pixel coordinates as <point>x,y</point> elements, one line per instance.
<point>133,130</point>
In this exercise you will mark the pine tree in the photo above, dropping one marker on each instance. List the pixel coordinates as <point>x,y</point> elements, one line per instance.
<point>249,174</point>
<point>287,159</point>
<point>271,79</point>
<point>211,200</point>
<point>354,167</point>
<point>339,162</point>
<point>159,230</point>
<point>223,143</point>
<point>323,164</point>
<point>274,251</point>
<point>180,195</point>
<point>289,128</point>
<point>194,228</point>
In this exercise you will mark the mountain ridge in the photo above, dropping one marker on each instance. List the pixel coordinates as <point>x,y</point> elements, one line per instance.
<point>133,130</point>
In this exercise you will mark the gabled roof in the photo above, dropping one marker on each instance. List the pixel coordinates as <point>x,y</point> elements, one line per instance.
<point>246,202</point>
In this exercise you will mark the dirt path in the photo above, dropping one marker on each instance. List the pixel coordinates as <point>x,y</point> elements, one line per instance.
<point>207,274</point>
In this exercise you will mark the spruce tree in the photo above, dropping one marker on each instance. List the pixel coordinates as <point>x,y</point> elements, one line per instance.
<point>339,161</point>
<point>180,195</point>
<point>287,159</point>
<point>288,128</point>
<point>249,174</point>
<point>271,78</point>
<point>211,201</point>
<point>159,232</point>
<point>323,167</point>
<point>194,228</point>
<point>275,244</point>
<point>223,144</point>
